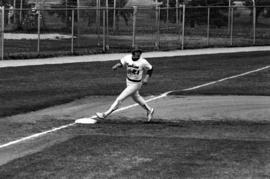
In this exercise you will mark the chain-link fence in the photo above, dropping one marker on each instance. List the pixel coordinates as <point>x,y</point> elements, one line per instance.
<point>60,31</point>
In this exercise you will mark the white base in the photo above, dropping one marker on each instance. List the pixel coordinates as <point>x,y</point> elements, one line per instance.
<point>86,120</point>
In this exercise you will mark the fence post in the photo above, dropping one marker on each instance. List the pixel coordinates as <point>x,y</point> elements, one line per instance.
<point>179,26</point>
<point>177,12</point>
<point>21,6</point>
<point>208,25</point>
<point>98,22</point>
<point>66,11</point>
<point>134,26</point>
<point>2,29</point>
<point>183,26</point>
<point>254,24</point>
<point>114,15</point>
<point>167,10</point>
<point>104,30</point>
<point>107,24</point>
<point>229,16</point>
<point>78,23</point>
<point>231,30</point>
<point>38,44</point>
<point>158,27</point>
<point>72,32</point>
<point>14,11</point>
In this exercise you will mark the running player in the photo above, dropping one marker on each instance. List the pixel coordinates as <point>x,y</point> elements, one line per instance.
<point>139,70</point>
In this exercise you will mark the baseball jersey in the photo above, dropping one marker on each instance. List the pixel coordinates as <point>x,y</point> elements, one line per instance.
<point>135,69</point>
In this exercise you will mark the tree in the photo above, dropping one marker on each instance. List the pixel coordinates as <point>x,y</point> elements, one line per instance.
<point>5,3</point>
<point>259,7</point>
<point>16,15</point>
<point>91,14</point>
<point>195,15</point>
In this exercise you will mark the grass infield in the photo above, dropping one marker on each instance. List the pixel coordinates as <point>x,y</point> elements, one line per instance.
<point>24,89</point>
<point>215,150</point>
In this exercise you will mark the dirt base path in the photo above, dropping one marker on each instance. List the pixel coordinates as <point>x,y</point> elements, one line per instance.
<point>168,109</point>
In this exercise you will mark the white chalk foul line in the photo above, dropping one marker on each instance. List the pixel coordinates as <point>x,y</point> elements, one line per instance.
<point>36,135</point>
<point>228,78</point>
<point>151,99</point>
<point>31,137</point>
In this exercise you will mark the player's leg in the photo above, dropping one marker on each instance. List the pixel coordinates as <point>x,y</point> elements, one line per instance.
<point>139,99</point>
<point>130,89</point>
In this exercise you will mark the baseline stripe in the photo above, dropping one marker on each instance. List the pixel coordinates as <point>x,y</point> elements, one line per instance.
<point>31,137</point>
<point>151,99</point>
<point>35,135</point>
<point>228,78</point>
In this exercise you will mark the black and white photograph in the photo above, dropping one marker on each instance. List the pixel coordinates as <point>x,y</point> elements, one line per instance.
<point>135,89</point>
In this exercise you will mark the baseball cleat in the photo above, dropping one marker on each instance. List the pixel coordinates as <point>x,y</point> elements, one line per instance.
<point>150,114</point>
<point>100,115</point>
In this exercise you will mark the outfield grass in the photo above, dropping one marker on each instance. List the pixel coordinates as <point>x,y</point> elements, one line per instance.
<point>24,89</point>
<point>252,84</point>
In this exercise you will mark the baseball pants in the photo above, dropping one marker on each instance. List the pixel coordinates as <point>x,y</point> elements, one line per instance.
<point>132,90</point>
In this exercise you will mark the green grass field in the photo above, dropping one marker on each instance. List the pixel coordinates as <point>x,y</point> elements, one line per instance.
<point>151,151</point>
<point>124,149</point>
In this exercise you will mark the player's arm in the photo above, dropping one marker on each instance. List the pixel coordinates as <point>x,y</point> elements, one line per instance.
<point>120,64</point>
<point>149,70</point>
<point>147,76</point>
<point>117,65</point>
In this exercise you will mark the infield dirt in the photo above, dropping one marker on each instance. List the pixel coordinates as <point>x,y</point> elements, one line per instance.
<point>170,109</point>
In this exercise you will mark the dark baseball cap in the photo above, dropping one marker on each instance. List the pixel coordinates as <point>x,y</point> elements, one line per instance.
<point>136,49</point>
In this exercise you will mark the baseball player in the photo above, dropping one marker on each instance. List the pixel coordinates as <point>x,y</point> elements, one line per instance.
<point>139,70</point>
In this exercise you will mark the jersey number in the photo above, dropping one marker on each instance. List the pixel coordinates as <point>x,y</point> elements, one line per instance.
<point>133,71</point>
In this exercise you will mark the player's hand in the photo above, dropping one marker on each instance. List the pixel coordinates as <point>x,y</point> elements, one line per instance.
<point>145,81</point>
<point>114,68</point>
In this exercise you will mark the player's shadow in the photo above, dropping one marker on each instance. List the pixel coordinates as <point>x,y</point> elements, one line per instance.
<point>178,122</point>
<point>138,121</point>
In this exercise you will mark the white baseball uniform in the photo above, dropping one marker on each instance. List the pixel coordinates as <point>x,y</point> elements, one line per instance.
<point>136,68</point>
<point>135,73</point>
